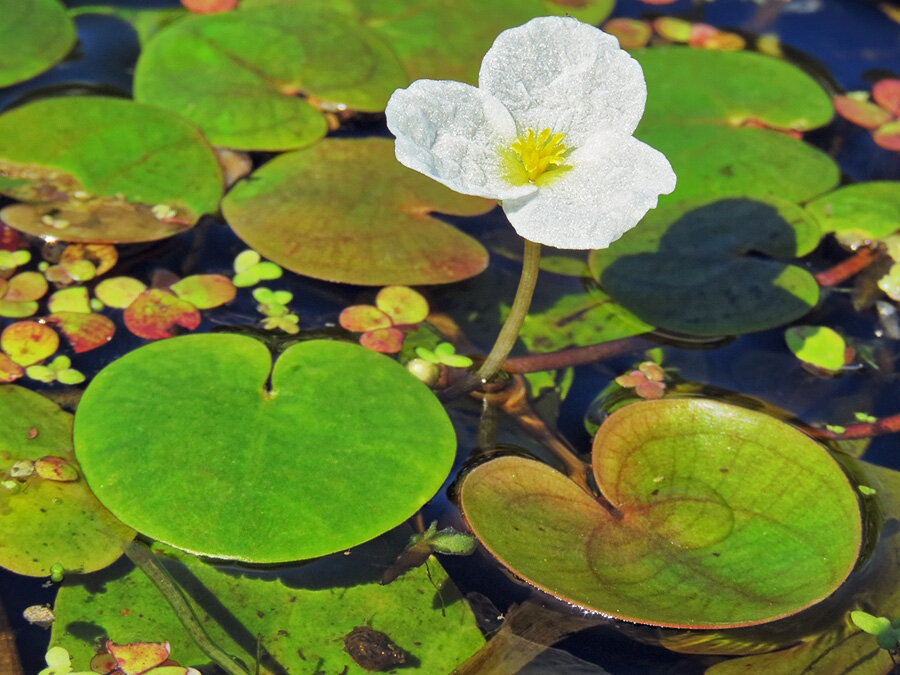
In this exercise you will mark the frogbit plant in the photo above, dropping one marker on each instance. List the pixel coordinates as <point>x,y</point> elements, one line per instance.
<point>548,133</point>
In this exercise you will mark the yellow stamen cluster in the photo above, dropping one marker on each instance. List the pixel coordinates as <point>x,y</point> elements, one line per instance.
<point>538,153</point>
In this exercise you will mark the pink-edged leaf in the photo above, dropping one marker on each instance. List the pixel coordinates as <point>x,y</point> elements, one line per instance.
<point>886,93</point>
<point>26,287</point>
<point>384,340</point>
<point>83,331</point>
<point>402,304</point>
<point>74,299</point>
<point>205,291</point>
<point>631,33</point>
<point>138,657</point>
<point>10,371</point>
<point>28,342</point>
<point>56,469</point>
<point>700,33</point>
<point>888,136</point>
<point>154,312</point>
<point>209,6</point>
<point>861,113</point>
<point>362,318</point>
<point>119,292</point>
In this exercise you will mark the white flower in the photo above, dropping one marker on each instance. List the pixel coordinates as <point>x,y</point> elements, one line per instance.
<point>547,131</point>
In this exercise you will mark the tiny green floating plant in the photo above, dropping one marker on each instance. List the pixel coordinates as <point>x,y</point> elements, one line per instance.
<point>548,133</point>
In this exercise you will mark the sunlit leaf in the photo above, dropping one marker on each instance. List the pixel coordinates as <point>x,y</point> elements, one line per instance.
<point>380,228</point>
<point>119,292</point>
<point>70,300</point>
<point>862,210</point>
<point>205,291</point>
<point>361,318</point>
<point>402,304</point>
<point>28,342</point>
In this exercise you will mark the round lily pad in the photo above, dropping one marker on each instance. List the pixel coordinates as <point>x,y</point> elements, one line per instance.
<point>104,170</point>
<point>719,516</point>
<point>240,75</point>
<point>695,266</point>
<point>701,123</point>
<point>187,442</point>
<point>819,346</point>
<point>864,210</point>
<point>35,34</point>
<point>378,214</point>
<point>48,522</point>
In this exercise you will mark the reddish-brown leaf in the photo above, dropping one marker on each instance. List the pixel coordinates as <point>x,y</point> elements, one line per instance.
<point>83,331</point>
<point>10,371</point>
<point>886,93</point>
<point>384,340</point>
<point>209,6</point>
<point>361,318</point>
<point>154,312</point>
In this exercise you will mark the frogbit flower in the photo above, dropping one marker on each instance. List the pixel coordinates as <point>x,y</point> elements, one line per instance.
<point>547,132</point>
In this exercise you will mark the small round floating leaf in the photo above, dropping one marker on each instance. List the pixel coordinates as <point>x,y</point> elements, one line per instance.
<point>35,34</point>
<point>631,33</point>
<point>84,331</point>
<point>50,522</point>
<point>26,287</point>
<point>205,291</point>
<point>28,342</point>
<point>100,165</point>
<point>672,29</point>
<point>10,371</point>
<point>346,445</point>
<point>886,93</point>
<point>362,318</point>
<point>888,136</point>
<point>867,210</point>
<point>194,67</point>
<point>383,340</point>
<point>687,268</point>
<point>155,312</point>
<point>819,346</point>
<point>70,300</point>
<point>102,256</point>
<point>380,229</point>
<point>119,292</point>
<point>402,304</point>
<point>861,113</point>
<point>728,518</point>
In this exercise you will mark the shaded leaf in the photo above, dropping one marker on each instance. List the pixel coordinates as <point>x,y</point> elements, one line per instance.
<point>35,34</point>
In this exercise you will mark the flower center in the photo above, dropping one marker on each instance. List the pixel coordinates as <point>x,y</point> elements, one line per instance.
<point>539,152</point>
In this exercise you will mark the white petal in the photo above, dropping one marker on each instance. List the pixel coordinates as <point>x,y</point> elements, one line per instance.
<point>454,133</point>
<point>613,182</point>
<point>560,74</point>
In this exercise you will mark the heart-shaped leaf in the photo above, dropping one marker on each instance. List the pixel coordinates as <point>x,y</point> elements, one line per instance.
<point>380,230</point>
<point>104,170</point>
<point>694,267</point>
<point>237,75</point>
<point>301,617</point>
<point>719,516</point>
<point>699,123</point>
<point>863,211</point>
<point>49,522</point>
<point>35,34</point>
<point>342,446</point>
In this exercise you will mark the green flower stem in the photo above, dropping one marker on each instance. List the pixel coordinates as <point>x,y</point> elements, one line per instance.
<point>141,555</point>
<point>509,333</point>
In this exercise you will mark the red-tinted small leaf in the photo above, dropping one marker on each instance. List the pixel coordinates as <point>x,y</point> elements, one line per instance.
<point>26,287</point>
<point>723,41</point>
<point>862,113</point>
<point>700,33</point>
<point>10,371</point>
<point>361,318</point>
<point>9,238</point>
<point>888,136</point>
<point>138,657</point>
<point>384,340</point>
<point>154,312</point>
<point>29,342</point>
<point>631,33</point>
<point>205,291</point>
<point>56,469</point>
<point>83,331</point>
<point>886,93</point>
<point>102,256</point>
<point>209,6</point>
<point>402,304</point>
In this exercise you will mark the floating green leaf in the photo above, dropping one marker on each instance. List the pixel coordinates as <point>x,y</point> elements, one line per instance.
<point>48,522</point>
<point>819,346</point>
<point>862,211</point>
<point>302,616</point>
<point>378,213</point>
<point>93,169</point>
<point>697,122</point>
<point>687,268</point>
<point>238,75</point>
<point>726,517</point>
<point>342,446</point>
<point>35,34</point>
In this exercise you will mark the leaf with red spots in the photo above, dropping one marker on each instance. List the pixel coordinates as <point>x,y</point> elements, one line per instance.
<point>861,113</point>
<point>886,93</point>
<point>888,136</point>
<point>362,318</point>
<point>29,342</point>
<point>138,657</point>
<point>154,312</point>
<point>205,291</point>
<point>83,331</point>
<point>402,304</point>
<point>55,468</point>
<point>383,340</point>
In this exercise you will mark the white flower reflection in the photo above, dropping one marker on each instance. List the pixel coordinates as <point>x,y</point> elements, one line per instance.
<point>547,132</point>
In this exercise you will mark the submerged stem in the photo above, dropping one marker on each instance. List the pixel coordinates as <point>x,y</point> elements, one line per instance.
<point>509,333</point>
<point>141,555</point>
